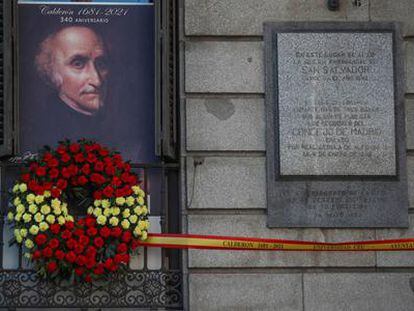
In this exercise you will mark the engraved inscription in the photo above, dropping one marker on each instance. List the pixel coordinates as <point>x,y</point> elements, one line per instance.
<point>336,104</point>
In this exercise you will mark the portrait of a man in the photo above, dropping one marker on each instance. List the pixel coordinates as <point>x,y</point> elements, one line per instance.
<point>74,62</point>
<point>87,77</point>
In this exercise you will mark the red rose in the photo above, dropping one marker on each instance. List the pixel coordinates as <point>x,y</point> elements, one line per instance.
<point>73,169</point>
<point>116,232</point>
<point>59,254</point>
<point>47,252</point>
<point>105,232</point>
<point>74,148</point>
<point>118,258</point>
<point>82,180</point>
<point>54,243</point>
<point>65,172</point>
<point>54,173</point>
<point>117,157</point>
<point>81,222</point>
<point>55,192</point>
<point>52,266</point>
<point>53,162</point>
<point>122,248</point>
<point>84,240</point>
<point>61,149</point>
<point>108,191</point>
<point>92,231</point>
<point>133,180</point>
<point>79,232</point>
<point>110,170</point>
<point>33,166</point>
<point>70,257</point>
<point>90,263</point>
<point>97,178</point>
<point>55,228</point>
<point>47,156</point>
<point>119,193</point>
<point>116,181</point>
<point>99,166</point>
<point>134,244</point>
<point>41,171</point>
<point>81,260</point>
<point>86,169</point>
<point>66,234</point>
<point>71,243</point>
<point>125,258</point>
<point>40,239</point>
<point>90,222</point>
<point>91,158</point>
<point>98,242</point>
<point>25,177</point>
<point>108,263</point>
<point>79,271</point>
<point>127,167</point>
<point>113,268</point>
<point>69,225</point>
<point>88,279</point>
<point>97,195</point>
<point>65,158</point>
<point>33,185</point>
<point>99,269</point>
<point>103,152</point>
<point>126,236</point>
<point>91,252</point>
<point>62,184</point>
<point>47,186</point>
<point>36,255</point>
<point>79,158</point>
<point>79,249</point>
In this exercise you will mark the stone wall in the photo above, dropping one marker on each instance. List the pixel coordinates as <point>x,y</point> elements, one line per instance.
<point>222,127</point>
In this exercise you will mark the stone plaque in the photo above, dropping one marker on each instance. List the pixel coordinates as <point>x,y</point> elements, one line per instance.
<point>335,125</point>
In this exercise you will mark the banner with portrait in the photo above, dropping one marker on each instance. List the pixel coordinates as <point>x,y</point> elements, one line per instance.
<point>86,70</point>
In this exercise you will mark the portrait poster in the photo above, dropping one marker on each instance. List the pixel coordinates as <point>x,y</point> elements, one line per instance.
<point>86,70</point>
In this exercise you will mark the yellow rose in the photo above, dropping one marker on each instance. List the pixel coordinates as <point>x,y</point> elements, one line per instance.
<point>64,209</point>
<point>57,211</point>
<point>140,200</point>
<point>43,226</point>
<point>138,210</point>
<point>97,211</point>
<point>33,208</point>
<point>10,216</point>
<point>34,230</point>
<point>16,201</point>
<point>69,218</point>
<point>15,188</point>
<point>39,199</point>
<point>105,204</point>
<point>144,210</point>
<point>20,208</point>
<point>142,225</point>
<point>101,220</point>
<point>126,213</point>
<point>29,244</point>
<point>144,235</point>
<point>130,201</point>
<point>133,219</point>
<point>107,212</point>
<point>97,203</point>
<point>23,187</point>
<point>137,231</point>
<point>136,189</point>
<point>120,201</point>
<point>47,194</point>
<point>30,198</point>
<point>45,209</point>
<point>61,220</point>
<point>39,217</point>
<point>18,217</point>
<point>141,193</point>
<point>17,233</point>
<point>50,219</point>
<point>90,210</point>
<point>23,232</point>
<point>114,221</point>
<point>19,239</point>
<point>27,217</point>
<point>27,255</point>
<point>116,211</point>
<point>125,224</point>
<point>55,203</point>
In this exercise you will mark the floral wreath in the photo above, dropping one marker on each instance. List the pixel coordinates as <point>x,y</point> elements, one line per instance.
<point>62,246</point>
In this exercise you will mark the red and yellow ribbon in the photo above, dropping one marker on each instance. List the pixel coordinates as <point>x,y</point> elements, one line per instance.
<point>186,241</point>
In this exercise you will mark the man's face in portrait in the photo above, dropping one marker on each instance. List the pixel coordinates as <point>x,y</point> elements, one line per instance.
<point>77,68</point>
